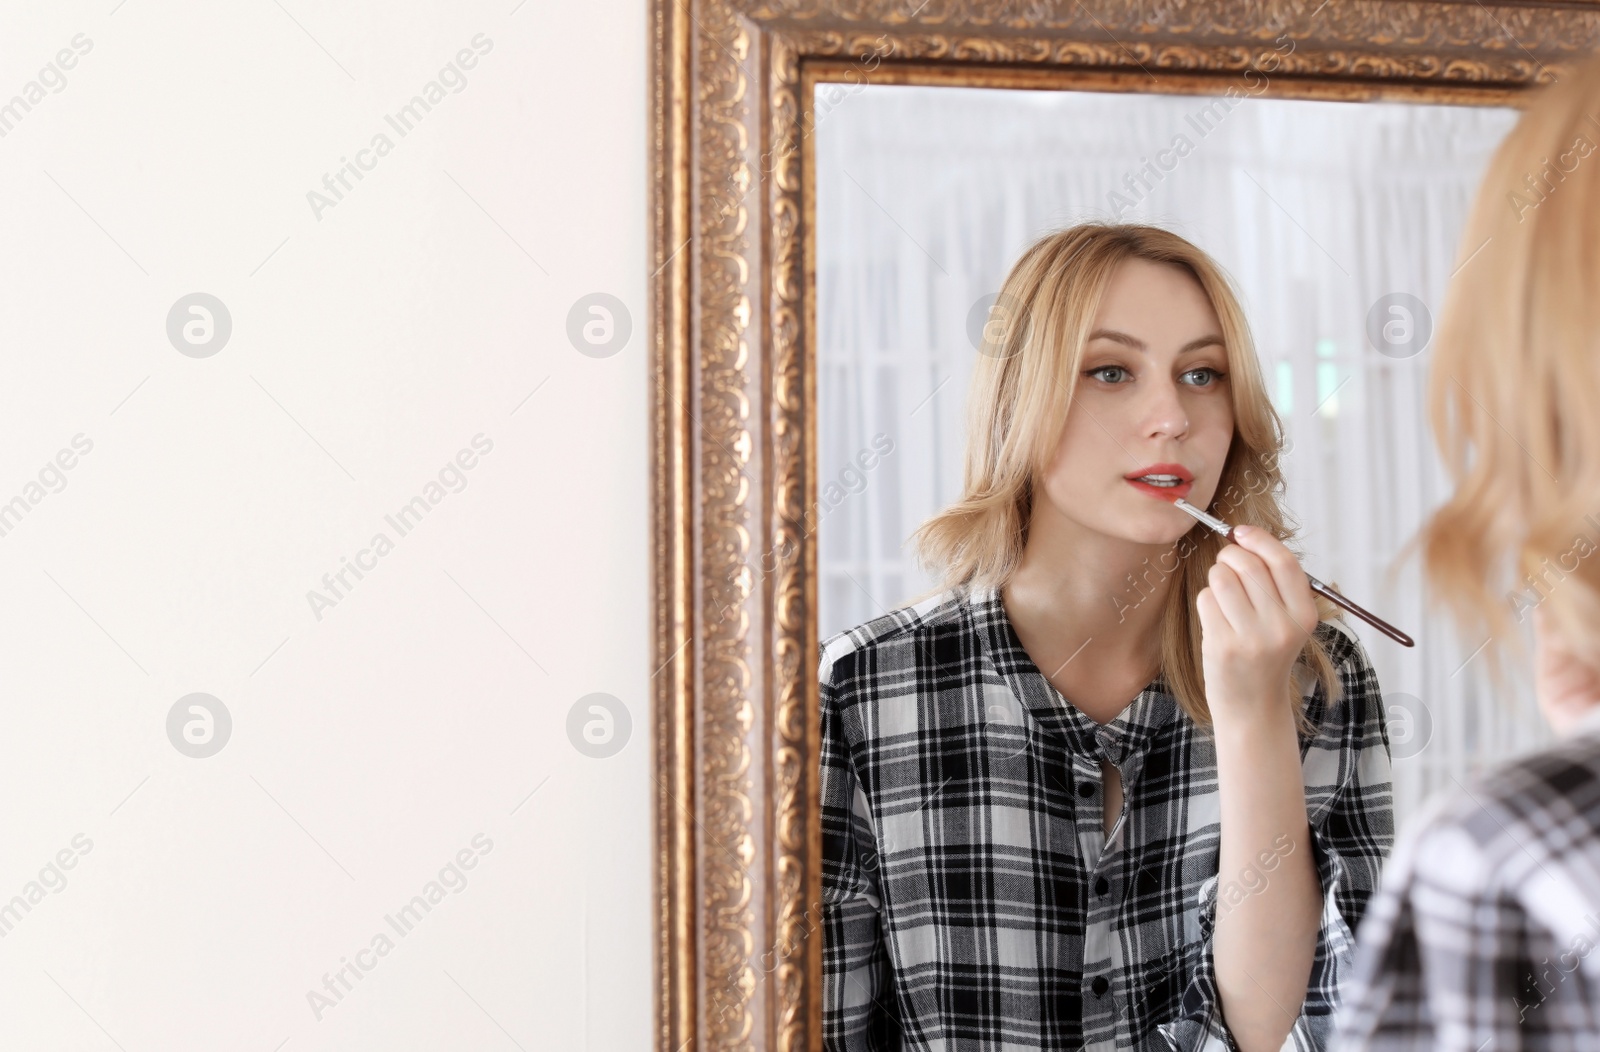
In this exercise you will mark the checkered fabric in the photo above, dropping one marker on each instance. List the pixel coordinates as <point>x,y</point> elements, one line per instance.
<point>971,900</point>
<point>1483,934</point>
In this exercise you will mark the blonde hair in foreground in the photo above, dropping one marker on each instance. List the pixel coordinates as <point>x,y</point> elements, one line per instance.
<point>1022,386</point>
<point>1514,388</point>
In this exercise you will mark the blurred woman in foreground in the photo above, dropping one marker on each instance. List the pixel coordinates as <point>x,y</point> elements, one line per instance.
<point>1482,936</point>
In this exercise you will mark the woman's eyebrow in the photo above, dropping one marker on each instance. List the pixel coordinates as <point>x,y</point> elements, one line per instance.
<point>1139,345</point>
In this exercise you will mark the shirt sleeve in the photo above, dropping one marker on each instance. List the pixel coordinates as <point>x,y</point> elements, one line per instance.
<point>1350,814</point>
<point>858,1007</point>
<point>1452,958</point>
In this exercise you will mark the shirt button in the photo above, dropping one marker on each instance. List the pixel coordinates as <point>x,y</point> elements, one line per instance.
<point>1085,789</point>
<point>1102,886</point>
<point>1100,985</point>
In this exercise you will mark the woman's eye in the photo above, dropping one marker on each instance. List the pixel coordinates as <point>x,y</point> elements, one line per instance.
<point>1106,369</point>
<point>1214,374</point>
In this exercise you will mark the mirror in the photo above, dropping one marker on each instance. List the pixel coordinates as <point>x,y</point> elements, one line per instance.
<point>782,345</point>
<point>1339,224</point>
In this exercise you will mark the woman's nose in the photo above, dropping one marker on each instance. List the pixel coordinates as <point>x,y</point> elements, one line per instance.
<point>1164,413</point>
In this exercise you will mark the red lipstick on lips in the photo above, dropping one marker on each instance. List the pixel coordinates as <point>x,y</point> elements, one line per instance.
<point>1167,493</point>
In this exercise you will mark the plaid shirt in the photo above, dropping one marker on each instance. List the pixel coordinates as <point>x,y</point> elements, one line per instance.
<point>970,897</point>
<point>1482,936</point>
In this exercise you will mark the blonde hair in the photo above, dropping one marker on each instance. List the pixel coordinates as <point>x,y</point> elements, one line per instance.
<point>1022,386</point>
<point>1514,389</point>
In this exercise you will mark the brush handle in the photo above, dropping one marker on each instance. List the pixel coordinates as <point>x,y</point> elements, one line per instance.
<point>1370,618</point>
<point>1317,586</point>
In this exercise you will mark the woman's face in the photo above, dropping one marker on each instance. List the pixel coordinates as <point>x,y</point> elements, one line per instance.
<point>1152,394</point>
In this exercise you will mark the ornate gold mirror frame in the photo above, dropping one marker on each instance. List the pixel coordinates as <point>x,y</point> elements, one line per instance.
<point>737,878</point>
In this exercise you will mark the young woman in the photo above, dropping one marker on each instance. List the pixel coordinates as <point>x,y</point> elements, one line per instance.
<point>1113,786</point>
<point>1484,934</point>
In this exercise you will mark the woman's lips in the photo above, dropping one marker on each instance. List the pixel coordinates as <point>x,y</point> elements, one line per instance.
<point>1166,493</point>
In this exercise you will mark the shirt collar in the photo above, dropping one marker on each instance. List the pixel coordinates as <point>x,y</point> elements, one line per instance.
<point>1129,732</point>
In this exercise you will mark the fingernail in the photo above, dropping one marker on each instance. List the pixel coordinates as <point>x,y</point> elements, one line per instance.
<point>1242,531</point>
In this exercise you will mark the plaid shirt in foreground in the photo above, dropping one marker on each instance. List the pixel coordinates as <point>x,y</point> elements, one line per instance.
<point>970,897</point>
<point>1482,937</point>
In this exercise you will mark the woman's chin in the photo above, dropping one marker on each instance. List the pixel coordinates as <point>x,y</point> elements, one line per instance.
<point>1155,530</point>
<point>1139,518</point>
<point>1153,522</point>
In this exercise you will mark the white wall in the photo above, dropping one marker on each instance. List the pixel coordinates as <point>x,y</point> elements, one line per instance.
<point>371,341</point>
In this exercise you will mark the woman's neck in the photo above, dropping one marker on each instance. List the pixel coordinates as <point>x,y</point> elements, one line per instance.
<point>1080,594</point>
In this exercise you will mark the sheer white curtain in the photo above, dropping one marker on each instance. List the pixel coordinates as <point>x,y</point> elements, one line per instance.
<point>1318,210</point>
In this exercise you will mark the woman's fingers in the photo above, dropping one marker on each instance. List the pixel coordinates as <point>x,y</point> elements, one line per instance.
<point>1205,603</point>
<point>1252,632</point>
<point>1254,578</point>
<point>1289,587</point>
<point>1231,597</point>
<point>1293,585</point>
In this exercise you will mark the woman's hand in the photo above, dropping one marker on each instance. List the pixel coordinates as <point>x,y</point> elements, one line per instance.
<point>1255,616</point>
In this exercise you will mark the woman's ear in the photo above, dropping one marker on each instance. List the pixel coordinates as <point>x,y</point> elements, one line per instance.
<point>1565,687</point>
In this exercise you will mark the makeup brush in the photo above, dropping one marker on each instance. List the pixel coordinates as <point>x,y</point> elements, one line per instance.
<point>1316,586</point>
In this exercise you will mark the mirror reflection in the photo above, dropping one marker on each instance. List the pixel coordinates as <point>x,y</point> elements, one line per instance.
<point>1059,811</point>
